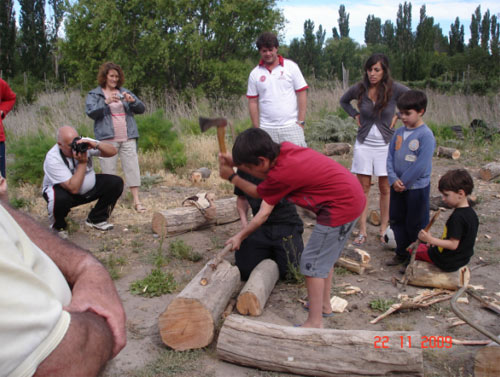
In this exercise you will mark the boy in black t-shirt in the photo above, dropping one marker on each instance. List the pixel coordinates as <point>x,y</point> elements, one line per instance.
<point>456,246</point>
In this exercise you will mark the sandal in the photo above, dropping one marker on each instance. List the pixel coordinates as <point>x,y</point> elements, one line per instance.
<point>324,315</point>
<point>360,240</point>
<point>139,208</point>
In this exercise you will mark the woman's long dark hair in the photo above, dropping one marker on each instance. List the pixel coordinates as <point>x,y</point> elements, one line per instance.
<point>384,87</point>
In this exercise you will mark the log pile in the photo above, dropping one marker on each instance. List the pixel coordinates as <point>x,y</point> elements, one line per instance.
<point>254,295</point>
<point>184,219</point>
<point>317,352</point>
<point>190,319</point>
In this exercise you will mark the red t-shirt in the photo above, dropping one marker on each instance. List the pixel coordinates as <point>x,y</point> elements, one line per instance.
<point>316,182</point>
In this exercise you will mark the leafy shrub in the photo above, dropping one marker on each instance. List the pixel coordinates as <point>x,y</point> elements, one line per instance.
<point>332,129</point>
<point>381,304</point>
<point>157,283</point>
<point>29,153</point>
<point>156,134</point>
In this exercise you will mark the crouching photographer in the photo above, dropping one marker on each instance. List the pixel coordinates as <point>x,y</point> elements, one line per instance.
<point>70,180</point>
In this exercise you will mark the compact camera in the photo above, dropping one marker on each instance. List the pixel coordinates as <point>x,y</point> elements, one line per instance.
<point>79,147</point>
<point>120,96</point>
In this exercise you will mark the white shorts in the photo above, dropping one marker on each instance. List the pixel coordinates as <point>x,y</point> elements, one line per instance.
<point>127,151</point>
<point>370,160</point>
<point>292,133</point>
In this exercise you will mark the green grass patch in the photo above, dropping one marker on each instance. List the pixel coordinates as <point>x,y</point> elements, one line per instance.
<point>381,304</point>
<point>157,283</point>
<point>112,264</point>
<point>180,250</point>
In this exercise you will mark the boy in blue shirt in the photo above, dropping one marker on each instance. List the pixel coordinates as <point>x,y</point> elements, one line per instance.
<point>409,166</point>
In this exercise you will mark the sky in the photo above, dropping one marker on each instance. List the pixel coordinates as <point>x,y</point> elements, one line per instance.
<point>325,12</point>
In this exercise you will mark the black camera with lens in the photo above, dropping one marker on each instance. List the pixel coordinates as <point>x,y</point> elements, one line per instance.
<point>79,147</point>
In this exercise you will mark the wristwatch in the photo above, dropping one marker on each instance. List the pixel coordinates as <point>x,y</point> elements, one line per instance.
<point>301,123</point>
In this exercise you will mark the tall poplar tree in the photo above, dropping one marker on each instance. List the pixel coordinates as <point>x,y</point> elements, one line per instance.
<point>373,30</point>
<point>475,28</point>
<point>404,40</point>
<point>456,35</point>
<point>494,42</point>
<point>485,31</point>
<point>7,37</point>
<point>34,47</point>
<point>343,21</point>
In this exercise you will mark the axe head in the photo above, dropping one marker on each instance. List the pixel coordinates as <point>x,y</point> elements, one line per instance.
<point>206,123</point>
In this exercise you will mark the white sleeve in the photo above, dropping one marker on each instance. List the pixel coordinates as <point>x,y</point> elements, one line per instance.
<point>298,79</point>
<point>32,321</point>
<point>252,85</point>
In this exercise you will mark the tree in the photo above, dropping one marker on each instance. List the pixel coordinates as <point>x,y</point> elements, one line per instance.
<point>388,37</point>
<point>485,31</point>
<point>308,51</point>
<point>33,40</point>
<point>456,34</point>
<point>343,51</point>
<point>7,37</point>
<point>200,46</point>
<point>335,33</point>
<point>494,42</point>
<point>343,22</point>
<point>57,16</point>
<point>404,41</point>
<point>475,28</point>
<point>373,30</point>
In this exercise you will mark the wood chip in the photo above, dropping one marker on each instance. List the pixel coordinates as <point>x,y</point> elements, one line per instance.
<point>487,236</point>
<point>457,323</point>
<point>338,304</point>
<point>463,300</point>
<point>475,287</point>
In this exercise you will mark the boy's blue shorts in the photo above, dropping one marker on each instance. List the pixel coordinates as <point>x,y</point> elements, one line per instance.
<point>324,248</point>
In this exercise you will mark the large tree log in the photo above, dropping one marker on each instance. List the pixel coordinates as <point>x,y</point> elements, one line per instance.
<point>184,219</point>
<point>428,275</point>
<point>254,295</point>
<point>318,352</point>
<point>332,149</point>
<point>190,319</point>
<point>452,153</point>
<point>486,361</point>
<point>490,171</point>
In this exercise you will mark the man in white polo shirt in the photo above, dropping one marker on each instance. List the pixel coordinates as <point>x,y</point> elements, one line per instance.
<point>277,94</point>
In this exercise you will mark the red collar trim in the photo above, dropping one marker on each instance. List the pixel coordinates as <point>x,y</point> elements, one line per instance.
<point>281,61</point>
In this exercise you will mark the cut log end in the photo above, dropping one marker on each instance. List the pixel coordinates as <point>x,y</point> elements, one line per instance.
<point>248,304</point>
<point>490,171</point>
<point>186,324</point>
<point>452,153</point>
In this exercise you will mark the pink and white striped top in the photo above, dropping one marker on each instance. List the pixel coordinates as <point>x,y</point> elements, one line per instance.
<point>119,122</point>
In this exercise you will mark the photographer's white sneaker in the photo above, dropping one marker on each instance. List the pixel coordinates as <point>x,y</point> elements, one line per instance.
<point>103,225</point>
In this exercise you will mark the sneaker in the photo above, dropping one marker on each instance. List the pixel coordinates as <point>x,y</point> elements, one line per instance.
<point>103,225</point>
<point>63,234</point>
<point>396,260</point>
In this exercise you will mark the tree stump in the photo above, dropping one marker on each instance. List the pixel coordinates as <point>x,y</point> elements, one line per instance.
<point>428,275</point>
<point>200,174</point>
<point>452,153</point>
<point>190,319</point>
<point>184,219</point>
<point>335,149</point>
<point>490,171</point>
<point>254,295</point>
<point>319,352</point>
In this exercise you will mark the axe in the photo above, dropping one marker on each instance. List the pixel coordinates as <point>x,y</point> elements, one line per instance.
<point>220,123</point>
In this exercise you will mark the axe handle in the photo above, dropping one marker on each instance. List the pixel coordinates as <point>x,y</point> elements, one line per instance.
<point>434,217</point>
<point>221,134</point>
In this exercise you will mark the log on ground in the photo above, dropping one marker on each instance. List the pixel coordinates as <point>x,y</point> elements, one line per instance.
<point>352,265</point>
<point>358,255</point>
<point>486,361</point>
<point>452,153</point>
<point>336,149</point>
<point>317,352</point>
<point>490,171</point>
<point>254,295</point>
<point>184,219</point>
<point>190,319</point>
<point>428,275</point>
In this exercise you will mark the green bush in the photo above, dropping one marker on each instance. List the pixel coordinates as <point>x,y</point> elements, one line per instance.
<point>156,134</point>
<point>332,129</point>
<point>29,153</point>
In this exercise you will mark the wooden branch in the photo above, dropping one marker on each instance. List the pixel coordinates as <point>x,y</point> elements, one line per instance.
<point>184,219</point>
<point>336,149</point>
<point>254,295</point>
<point>413,249</point>
<point>213,263</point>
<point>452,153</point>
<point>317,352</point>
<point>471,342</point>
<point>490,171</point>
<point>423,300</point>
<point>190,319</point>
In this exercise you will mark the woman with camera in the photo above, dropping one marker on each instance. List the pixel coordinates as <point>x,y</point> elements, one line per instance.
<point>112,108</point>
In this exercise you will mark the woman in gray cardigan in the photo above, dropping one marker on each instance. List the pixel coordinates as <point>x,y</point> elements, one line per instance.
<point>376,116</point>
<point>112,107</point>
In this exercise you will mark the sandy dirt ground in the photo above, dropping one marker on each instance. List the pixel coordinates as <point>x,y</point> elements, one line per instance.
<point>133,244</point>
